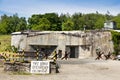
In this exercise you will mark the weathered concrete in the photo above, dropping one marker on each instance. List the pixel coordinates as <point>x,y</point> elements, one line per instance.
<point>78,43</point>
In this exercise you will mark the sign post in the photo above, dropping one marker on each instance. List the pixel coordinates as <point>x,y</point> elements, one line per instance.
<point>40,67</point>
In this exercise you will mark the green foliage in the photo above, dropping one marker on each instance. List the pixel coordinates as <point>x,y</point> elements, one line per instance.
<point>116,41</point>
<point>92,21</point>
<point>4,42</point>
<point>48,21</point>
<point>78,21</point>
<point>117,20</point>
<point>3,24</point>
<point>14,49</point>
<point>54,22</point>
<point>9,24</point>
<point>68,25</point>
<point>43,24</point>
<point>11,49</point>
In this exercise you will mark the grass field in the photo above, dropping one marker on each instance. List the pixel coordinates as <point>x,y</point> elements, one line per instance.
<point>5,41</point>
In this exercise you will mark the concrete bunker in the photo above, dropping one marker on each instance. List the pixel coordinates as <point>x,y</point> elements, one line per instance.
<point>79,43</point>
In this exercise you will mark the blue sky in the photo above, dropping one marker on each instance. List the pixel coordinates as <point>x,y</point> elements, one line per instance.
<point>26,8</point>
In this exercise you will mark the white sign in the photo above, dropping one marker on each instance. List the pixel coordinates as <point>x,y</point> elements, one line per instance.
<point>42,67</point>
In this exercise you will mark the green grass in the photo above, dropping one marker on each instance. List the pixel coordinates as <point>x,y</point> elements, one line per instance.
<point>5,41</point>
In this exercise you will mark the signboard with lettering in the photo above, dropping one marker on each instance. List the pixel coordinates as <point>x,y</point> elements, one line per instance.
<point>42,67</point>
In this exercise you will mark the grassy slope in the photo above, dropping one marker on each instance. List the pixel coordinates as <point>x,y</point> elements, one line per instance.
<point>5,40</point>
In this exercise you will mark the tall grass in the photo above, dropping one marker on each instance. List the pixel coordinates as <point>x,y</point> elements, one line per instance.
<point>5,41</point>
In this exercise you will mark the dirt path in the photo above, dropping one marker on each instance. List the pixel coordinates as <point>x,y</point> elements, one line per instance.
<point>75,70</point>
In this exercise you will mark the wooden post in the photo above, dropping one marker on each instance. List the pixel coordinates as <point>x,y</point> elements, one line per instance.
<point>55,57</point>
<point>23,55</point>
<point>37,55</point>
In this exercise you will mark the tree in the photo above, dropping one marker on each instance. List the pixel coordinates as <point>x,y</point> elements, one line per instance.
<point>116,41</point>
<point>100,19</point>
<point>63,17</point>
<point>78,21</point>
<point>52,18</point>
<point>99,24</point>
<point>108,16</point>
<point>54,21</point>
<point>33,21</point>
<point>9,24</point>
<point>3,24</point>
<point>117,20</point>
<point>22,25</point>
<point>68,25</point>
<point>44,24</point>
<point>93,21</point>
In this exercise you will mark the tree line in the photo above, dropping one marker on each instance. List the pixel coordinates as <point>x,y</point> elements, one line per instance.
<point>55,22</point>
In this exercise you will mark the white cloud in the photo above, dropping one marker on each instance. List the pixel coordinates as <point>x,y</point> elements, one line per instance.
<point>41,8</point>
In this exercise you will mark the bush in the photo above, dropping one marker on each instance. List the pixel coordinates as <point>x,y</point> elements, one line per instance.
<point>116,41</point>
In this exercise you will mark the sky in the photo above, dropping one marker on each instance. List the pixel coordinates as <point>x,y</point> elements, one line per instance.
<point>26,8</point>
